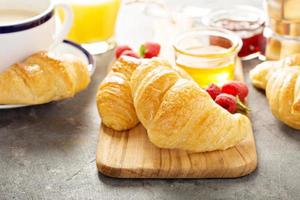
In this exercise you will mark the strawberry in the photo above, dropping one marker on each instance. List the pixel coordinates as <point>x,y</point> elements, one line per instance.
<point>120,49</point>
<point>236,88</point>
<point>130,53</point>
<point>149,49</point>
<point>227,101</point>
<point>213,90</point>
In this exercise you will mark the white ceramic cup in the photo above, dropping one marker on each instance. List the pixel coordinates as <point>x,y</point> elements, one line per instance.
<point>21,39</point>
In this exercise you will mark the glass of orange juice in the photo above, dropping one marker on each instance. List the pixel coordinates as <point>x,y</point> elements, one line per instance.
<point>208,54</point>
<point>94,23</point>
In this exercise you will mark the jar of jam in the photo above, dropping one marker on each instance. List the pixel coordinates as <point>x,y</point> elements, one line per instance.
<point>247,22</point>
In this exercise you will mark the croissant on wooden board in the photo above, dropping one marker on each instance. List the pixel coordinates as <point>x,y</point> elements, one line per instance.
<point>114,99</point>
<point>42,78</point>
<point>281,80</point>
<point>175,111</point>
<point>178,114</point>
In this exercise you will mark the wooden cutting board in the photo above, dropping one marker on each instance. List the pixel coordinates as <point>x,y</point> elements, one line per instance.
<point>130,154</point>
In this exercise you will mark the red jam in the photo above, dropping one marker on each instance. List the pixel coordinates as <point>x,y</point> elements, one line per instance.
<point>254,44</point>
<point>251,33</point>
<point>248,22</point>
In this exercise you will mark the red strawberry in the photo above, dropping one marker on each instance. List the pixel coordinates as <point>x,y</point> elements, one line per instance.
<point>227,101</point>
<point>130,53</point>
<point>120,49</point>
<point>236,88</point>
<point>149,49</point>
<point>213,90</point>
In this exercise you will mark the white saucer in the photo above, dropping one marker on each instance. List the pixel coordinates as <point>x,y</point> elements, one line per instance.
<point>67,47</point>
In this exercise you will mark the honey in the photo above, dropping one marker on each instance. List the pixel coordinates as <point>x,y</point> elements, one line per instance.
<point>205,71</point>
<point>208,55</point>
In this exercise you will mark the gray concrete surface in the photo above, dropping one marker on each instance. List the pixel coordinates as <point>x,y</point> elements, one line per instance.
<point>48,152</point>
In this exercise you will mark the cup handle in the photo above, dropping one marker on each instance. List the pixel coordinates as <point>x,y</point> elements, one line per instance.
<point>66,25</point>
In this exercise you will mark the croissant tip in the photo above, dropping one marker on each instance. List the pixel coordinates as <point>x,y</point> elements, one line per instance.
<point>129,59</point>
<point>296,107</point>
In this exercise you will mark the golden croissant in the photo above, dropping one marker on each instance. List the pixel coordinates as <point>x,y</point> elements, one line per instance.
<point>114,99</point>
<point>281,80</point>
<point>175,111</point>
<point>178,114</point>
<point>42,78</point>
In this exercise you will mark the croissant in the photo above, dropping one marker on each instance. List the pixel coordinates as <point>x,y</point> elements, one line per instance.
<point>281,80</point>
<point>178,114</point>
<point>114,99</point>
<point>42,78</point>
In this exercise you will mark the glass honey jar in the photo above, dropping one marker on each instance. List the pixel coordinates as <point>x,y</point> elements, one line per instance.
<point>208,54</point>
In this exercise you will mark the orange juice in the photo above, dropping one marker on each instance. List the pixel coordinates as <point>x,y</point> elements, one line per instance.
<point>94,20</point>
<point>205,71</point>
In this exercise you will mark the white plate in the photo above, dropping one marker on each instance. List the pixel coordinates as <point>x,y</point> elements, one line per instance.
<point>70,48</point>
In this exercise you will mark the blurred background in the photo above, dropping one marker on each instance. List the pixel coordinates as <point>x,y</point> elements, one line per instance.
<point>143,17</point>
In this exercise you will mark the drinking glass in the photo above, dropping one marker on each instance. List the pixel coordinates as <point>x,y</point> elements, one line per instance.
<point>94,23</point>
<point>284,16</point>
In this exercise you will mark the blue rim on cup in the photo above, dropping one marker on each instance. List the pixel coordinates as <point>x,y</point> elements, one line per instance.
<point>29,23</point>
<point>23,37</point>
